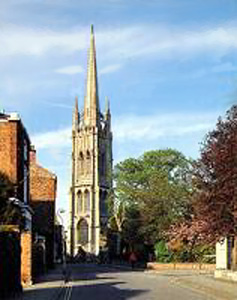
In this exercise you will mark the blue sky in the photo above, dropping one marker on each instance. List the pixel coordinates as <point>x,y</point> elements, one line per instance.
<point>168,67</point>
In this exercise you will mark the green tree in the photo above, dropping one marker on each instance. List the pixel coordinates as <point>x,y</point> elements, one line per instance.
<point>155,189</point>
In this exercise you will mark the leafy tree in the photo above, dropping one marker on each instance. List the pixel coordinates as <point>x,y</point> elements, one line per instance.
<point>153,192</point>
<point>162,252</point>
<point>215,177</point>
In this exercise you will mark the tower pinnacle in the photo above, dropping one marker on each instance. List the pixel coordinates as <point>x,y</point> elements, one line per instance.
<point>75,119</point>
<point>91,103</point>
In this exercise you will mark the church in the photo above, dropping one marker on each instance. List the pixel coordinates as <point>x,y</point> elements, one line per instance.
<point>91,166</point>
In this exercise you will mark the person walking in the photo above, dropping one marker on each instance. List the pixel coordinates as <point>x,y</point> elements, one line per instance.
<point>132,259</point>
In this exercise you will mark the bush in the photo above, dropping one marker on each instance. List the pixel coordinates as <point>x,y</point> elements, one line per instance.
<point>162,253</point>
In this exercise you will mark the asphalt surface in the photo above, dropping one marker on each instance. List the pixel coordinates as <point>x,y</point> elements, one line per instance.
<point>110,283</point>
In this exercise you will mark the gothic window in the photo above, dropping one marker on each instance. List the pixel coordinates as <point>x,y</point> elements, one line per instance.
<point>79,202</point>
<point>81,163</point>
<point>82,232</point>
<point>87,201</point>
<point>88,161</point>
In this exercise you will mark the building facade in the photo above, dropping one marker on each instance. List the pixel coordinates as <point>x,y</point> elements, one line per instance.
<point>14,164</point>
<point>91,167</point>
<point>43,187</point>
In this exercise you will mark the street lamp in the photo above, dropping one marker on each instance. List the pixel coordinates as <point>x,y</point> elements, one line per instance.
<point>59,212</point>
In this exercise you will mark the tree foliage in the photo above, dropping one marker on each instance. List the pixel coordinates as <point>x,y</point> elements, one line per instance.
<point>215,180</point>
<point>152,191</point>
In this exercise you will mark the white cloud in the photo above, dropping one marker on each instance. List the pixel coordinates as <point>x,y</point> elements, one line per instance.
<point>30,41</point>
<point>110,69</point>
<point>220,68</point>
<point>121,43</point>
<point>52,139</point>
<point>57,104</point>
<point>152,127</point>
<point>70,70</point>
<point>166,42</point>
<point>137,128</point>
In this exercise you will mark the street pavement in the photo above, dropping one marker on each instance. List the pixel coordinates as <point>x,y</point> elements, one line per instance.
<point>119,283</point>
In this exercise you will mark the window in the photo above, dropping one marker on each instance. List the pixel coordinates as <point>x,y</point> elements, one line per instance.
<point>81,163</point>
<point>87,201</point>
<point>25,151</point>
<point>88,162</point>
<point>25,184</point>
<point>82,232</point>
<point>79,202</point>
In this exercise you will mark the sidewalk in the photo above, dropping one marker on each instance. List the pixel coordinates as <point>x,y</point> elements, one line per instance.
<point>203,283</point>
<point>55,274</point>
<point>46,286</point>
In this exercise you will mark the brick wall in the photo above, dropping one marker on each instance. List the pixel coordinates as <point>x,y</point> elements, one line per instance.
<point>43,186</point>
<point>13,136</point>
<point>8,149</point>
<point>26,250</point>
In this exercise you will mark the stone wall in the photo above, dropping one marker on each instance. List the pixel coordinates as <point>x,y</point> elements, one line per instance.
<point>180,266</point>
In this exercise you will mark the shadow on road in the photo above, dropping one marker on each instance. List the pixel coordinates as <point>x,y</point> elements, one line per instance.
<point>108,291</point>
<point>88,281</point>
<point>83,272</point>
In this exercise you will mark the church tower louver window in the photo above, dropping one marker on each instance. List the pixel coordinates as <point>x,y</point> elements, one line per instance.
<point>91,165</point>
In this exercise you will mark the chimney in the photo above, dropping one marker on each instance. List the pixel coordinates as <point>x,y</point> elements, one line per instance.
<point>32,154</point>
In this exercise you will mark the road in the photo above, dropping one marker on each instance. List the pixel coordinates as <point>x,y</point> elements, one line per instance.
<point>112,284</point>
<point>107,283</point>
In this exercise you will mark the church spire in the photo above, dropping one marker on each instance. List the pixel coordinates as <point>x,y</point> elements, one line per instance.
<point>75,118</point>
<point>91,103</point>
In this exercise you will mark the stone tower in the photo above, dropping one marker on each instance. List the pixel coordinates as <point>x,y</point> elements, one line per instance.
<point>91,166</point>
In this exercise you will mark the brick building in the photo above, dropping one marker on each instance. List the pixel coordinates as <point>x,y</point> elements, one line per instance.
<point>43,185</point>
<point>14,164</point>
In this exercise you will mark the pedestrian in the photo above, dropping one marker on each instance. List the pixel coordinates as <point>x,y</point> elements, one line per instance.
<point>132,259</point>
<point>66,274</point>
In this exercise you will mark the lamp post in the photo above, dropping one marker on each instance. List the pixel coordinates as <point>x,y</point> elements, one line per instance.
<point>59,212</point>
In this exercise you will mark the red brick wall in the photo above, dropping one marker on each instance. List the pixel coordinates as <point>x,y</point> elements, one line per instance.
<point>12,136</point>
<point>8,149</point>
<point>26,254</point>
<point>43,186</point>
